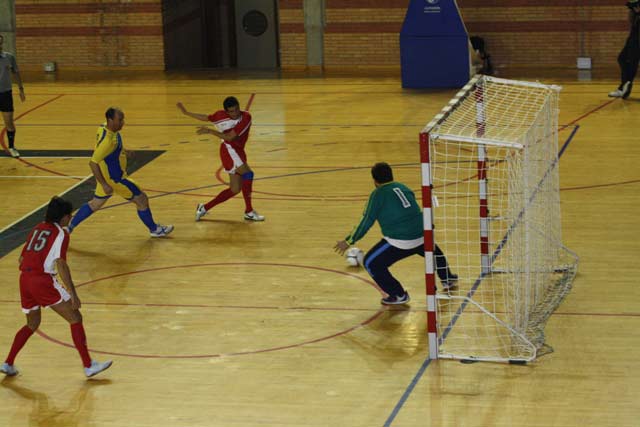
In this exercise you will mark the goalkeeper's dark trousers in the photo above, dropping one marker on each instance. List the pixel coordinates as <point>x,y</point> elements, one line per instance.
<point>628,61</point>
<point>383,255</point>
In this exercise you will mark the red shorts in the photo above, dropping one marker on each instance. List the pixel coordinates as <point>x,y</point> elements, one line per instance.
<point>232,158</point>
<point>40,290</point>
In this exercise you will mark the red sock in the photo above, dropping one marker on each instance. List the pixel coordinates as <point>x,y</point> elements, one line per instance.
<point>246,193</point>
<point>80,341</point>
<point>221,197</point>
<point>18,342</point>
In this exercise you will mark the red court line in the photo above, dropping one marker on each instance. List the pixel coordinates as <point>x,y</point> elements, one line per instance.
<point>378,312</point>
<point>4,147</point>
<point>241,353</point>
<point>250,101</point>
<point>611,184</point>
<point>588,113</point>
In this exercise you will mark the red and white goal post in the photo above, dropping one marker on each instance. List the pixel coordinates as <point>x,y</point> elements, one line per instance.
<point>490,159</point>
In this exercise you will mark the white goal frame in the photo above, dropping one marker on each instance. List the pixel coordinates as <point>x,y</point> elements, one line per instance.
<point>498,128</point>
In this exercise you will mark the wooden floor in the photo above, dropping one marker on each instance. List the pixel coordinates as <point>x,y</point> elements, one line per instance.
<point>229,323</point>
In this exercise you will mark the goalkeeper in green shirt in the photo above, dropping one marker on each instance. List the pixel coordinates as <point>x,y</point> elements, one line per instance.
<point>394,206</point>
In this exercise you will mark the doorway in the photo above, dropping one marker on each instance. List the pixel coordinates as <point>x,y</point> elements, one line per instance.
<point>220,34</point>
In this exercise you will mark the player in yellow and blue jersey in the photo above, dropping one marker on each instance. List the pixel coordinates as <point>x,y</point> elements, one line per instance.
<point>109,166</point>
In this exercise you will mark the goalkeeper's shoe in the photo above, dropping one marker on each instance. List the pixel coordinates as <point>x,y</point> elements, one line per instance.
<point>450,282</point>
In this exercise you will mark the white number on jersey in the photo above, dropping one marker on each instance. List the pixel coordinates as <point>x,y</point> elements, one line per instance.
<point>40,240</point>
<point>402,197</point>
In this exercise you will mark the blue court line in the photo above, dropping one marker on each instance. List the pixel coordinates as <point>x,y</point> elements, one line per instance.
<point>472,291</point>
<point>407,392</point>
<point>168,193</point>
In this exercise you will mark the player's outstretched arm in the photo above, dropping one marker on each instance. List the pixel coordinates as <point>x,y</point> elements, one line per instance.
<point>197,116</point>
<point>65,274</point>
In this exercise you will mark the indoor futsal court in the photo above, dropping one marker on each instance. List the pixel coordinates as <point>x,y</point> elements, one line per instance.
<point>228,322</point>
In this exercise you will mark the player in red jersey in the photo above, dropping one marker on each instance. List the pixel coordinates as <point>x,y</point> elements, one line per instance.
<point>42,262</point>
<point>233,127</point>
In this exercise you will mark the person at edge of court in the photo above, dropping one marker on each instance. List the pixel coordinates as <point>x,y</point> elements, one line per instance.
<point>629,56</point>
<point>9,65</point>
<point>394,206</point>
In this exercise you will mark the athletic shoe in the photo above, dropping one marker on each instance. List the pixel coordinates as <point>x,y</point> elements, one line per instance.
<point>96,367</point>
<point>253,216</point>
<point>162,230</point>
<point>8,370</point>
<point>14,153</point>
<point>200,211</point>
<point>450,283</point>
<point>403,299</point>
<point>626,90</point>
<point>615,94</point>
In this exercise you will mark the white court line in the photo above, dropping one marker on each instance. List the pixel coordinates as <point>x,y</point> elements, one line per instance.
<point>41,176</point>
<point>45,204</point>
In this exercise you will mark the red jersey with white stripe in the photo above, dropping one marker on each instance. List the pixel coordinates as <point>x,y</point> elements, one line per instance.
<point>224,123</point>
<point>46,243</point>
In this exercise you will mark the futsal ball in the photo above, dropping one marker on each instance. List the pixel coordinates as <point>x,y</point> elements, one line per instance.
<point>354,257</point>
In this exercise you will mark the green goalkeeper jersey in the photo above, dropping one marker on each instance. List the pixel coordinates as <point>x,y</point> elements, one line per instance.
<point>395,208</point>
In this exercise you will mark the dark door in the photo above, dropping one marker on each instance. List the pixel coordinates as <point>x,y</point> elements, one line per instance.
<point>256,34</point>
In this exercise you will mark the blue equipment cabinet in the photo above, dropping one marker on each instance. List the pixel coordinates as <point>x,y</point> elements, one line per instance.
<point>434,45</point>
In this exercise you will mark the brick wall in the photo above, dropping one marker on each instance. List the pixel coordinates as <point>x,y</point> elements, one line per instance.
<point>80,34</point>
<point>365,33</point>
<point>84,34</point>
<point>293,42</point>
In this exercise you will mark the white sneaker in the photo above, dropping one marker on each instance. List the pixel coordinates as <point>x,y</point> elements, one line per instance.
<point>253,216</point>
<point>14,153</point>
<point>200,211</point>
<point>8,370</point>
<point>97,367</point>
<point>616,94</point>
<point>162,230</point>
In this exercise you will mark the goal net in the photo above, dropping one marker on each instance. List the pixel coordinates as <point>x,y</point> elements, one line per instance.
<point>490,160</point>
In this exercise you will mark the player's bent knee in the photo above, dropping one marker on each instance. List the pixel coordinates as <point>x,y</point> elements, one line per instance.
<point>33,324</point>
<point>141,201</point>
<point>33,320</point>
<point>96,203</point>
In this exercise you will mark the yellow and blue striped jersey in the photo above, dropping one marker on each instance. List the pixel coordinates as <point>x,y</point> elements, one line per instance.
<point>109,154</point>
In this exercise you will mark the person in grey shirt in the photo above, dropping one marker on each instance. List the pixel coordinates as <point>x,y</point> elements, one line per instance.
<point>9,65</point>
